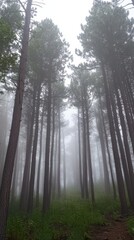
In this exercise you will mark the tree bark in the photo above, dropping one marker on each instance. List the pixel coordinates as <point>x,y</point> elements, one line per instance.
<point>108,152</point>
<point>15,128</point>
<point>122,152</point>
<point>52,155</point>
<point>64,165</point>
<point>85,182</point>
<point>26,174</point>
<point>59,156</point>
<point>40,155</point>
<point>89,151</point>
<point>47,153</point>
<point>80,160</point>
<point>15,177</point>
<point>103,150</point>
<point>120,182</point>
<point>54,188</point>
<point>33,163</point>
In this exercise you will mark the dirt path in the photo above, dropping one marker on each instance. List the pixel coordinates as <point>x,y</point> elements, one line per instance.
<point>116,230</point>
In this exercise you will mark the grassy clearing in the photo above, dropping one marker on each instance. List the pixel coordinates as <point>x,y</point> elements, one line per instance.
<point>67,219</point>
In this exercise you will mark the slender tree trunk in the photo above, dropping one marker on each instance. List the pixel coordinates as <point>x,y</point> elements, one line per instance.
<point>33,163</point>
<point>122,84</point>
<point>120,182</point>
<point>128,115</point>
<point>47,153</point>
<point>52,155</point>
<point>64,165</point>
<point>108,152</point>
<point>122,152</point>
<point>111,171</point>
<point>80,160</point>
<point>126,144</point>
<point>125,80</point>
<point>85,182</point>
<point>103,149</point>
<point>89,153</point>
<point>26,174</point>
<point>40,155</point>
<point>15,128</point>
<point>55,165</point>
<point>59,157</point>
<point>15,178</point>
<point>99,161</point>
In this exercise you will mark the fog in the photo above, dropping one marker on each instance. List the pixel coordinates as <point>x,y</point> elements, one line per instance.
<point>66,113</point>
<point>69,149</point>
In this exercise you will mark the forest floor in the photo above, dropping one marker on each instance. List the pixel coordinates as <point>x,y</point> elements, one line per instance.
<point>73,219</point>
<point>114,230</point>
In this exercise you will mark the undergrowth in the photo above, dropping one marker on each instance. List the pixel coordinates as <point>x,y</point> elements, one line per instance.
<point>130,224</point>
<point>67,220</point>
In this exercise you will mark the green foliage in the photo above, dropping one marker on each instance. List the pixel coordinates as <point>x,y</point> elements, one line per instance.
<point>10,31</point>
<point>108,207</point>
<point>130,225</point>
<point>80,87</point>
<point>108,32</point>
<point>68,219</point>
<point>48,51</point>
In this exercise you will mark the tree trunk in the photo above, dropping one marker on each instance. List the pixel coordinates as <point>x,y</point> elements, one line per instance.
<point>122,152</point>
<point>15,128</point>
<point>47,153</point>
<point>126,144</point>
<point>80,162</point>
<point>108,152</point>
<point>15,178</point>
<point>40,155</point>
<point>54,188</point>
<point>120,182</point>
<point>128,115</point>
<point>33,163</point>
<point>89,151</point>
<point>103,150</point>
<point>64,165</point>
<point>85,182</point>
<point>52,155</point>
<point>26,174</point>
<point>59,157</point>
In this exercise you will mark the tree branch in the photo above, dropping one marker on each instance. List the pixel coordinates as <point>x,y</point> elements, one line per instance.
<point>22,5</point>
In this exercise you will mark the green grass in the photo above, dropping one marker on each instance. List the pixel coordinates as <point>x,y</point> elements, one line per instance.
<point>68,219</point>
<point>130,224</point>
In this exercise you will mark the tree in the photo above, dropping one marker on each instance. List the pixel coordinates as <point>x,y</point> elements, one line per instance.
<point>81,97</point>
<point>15,127</point>
<point>107,36</point>
<point>56,56</point>
<point>10,31</point>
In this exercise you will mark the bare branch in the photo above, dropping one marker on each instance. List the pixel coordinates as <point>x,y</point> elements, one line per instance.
<point>130,8</point>
<point>37,5</point>
<point>22,5</point>
<point>40,3</point>
<point>120,2</point>
<point>127,5</point>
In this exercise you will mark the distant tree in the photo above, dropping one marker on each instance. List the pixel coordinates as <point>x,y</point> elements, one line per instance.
<point>59,94</point>
<point>34,151</point>
<point>81,97</point>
